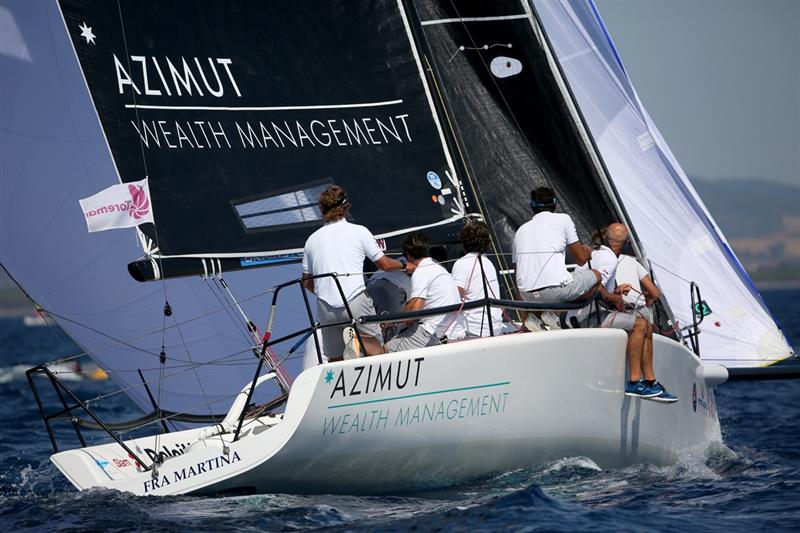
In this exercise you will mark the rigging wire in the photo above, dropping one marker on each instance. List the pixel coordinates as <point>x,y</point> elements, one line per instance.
<point>511,113</point>
<point>222,307</point>
<point>467,160</point>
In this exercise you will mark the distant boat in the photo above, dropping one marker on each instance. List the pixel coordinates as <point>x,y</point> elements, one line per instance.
<point>428,113</point>
<point>36,320</point>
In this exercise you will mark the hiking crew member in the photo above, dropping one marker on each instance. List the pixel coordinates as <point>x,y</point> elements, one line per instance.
<point>431,286</point>
<point>642,380</point>
<point>539,252</point>
<point>638,288</point>
<point>341,247</point>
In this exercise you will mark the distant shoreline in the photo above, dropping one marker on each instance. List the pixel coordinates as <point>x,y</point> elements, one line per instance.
<point>777,285</point>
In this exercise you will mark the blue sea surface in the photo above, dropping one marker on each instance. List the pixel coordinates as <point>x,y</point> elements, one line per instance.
<point>751,483</point>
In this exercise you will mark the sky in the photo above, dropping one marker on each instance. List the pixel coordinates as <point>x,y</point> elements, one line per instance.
<point>721,79</point>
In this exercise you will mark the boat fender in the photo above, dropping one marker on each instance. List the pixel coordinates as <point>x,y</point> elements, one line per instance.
<point>712,374</point>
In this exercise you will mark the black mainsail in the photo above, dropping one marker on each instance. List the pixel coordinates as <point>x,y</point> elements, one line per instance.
<point>239,131</point>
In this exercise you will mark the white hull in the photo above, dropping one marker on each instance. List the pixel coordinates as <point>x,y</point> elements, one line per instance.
<point>454,413</point>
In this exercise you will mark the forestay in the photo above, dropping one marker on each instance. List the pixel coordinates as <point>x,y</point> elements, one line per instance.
<point>677,233</point>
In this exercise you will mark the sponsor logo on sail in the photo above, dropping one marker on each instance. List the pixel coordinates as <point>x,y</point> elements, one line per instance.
<point>434,180</point>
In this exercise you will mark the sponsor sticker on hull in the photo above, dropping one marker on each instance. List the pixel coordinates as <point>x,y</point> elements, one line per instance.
<point>391,395</point>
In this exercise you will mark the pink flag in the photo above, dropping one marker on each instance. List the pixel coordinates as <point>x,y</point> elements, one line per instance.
<point>120,206</point>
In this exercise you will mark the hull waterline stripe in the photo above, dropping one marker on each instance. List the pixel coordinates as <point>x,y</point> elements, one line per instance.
<point>445,391</point>
<point>273,108</point>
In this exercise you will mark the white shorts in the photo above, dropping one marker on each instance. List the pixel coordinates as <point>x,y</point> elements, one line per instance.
<point>619,320</point>
<point>332,342</point>
<point>582,281</point>
<point>410,338</point>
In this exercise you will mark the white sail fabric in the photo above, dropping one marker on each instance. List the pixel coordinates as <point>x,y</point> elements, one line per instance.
<point>677,234</point>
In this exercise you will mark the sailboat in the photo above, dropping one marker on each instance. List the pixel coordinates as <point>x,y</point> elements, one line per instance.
<point>429,113</point>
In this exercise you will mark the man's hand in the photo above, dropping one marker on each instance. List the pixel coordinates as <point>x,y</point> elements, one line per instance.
<point>625,288</point>
<point>409,268</point>
<point>617,301</point>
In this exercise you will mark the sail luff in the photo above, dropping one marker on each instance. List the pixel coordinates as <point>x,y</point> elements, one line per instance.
<point>591,145</point>
<point>682,243</point>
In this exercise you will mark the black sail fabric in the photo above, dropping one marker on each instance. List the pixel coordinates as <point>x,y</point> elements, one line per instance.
<point>241,114</point>
<point>508,114</point>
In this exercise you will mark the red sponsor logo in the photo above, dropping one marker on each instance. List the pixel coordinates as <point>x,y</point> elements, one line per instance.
<point>140,205</point>
<point>137,207</point>
<point>120,463</point>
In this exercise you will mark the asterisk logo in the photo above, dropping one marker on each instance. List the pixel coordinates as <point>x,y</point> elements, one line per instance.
<point>86,33</point>
<point>329,376</point>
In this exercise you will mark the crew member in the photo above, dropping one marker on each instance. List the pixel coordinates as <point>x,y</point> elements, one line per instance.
<point>431,287</point>
<point>639,351</point>
<point>340,247</point>
<point>539,252</point>
<point>468,273</point>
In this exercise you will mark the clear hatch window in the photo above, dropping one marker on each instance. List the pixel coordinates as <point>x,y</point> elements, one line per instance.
<point>287,208</point>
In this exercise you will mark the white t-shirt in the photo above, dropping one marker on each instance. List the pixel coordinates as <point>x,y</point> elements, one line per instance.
<point>467,274</point>
<point>539,251</point>
<point>435,284</point>
<point>632,272</point>
<point>339,247</point>
<point>605,261</point>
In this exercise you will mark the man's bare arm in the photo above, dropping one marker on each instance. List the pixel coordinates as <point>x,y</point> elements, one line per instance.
<point>414,304</point>
<point>613,298</point>
<point>651,291</point>
<point>308,282</point>
<point>388,264</point>
<point>580,252</point>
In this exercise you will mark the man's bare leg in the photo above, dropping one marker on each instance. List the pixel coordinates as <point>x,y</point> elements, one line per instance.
<point>647,354</point>
<point>372,346</point>
<point>635,348</point>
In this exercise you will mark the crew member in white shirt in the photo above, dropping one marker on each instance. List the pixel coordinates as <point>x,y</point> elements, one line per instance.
<point>539,252</point>
<point>638,288</point>
<point>341,247</point>
<point>467,272</point>
<point>431,286</point>
<point>604,261</point>
<point>642,378</point>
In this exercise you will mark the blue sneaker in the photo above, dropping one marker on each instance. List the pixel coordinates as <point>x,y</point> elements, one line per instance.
<point>663,395</point>
<point>640,390</point>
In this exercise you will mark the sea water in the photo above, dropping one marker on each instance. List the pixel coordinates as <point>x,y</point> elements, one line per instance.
<point>751,483</point>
